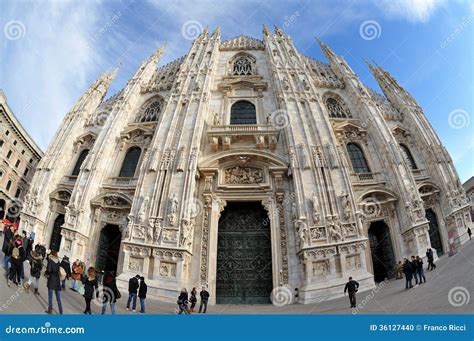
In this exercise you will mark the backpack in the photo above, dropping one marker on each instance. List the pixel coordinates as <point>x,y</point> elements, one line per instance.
<point>62,274</point>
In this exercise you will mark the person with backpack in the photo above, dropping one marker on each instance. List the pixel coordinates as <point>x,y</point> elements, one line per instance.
<point>91,285</point>
<point>35,269</point>
<point>111,293</point>
<point>142,294</point>
<point>54,282</point>
<point>67,268</point>
<point>132,292</point>
<point>15,267</point>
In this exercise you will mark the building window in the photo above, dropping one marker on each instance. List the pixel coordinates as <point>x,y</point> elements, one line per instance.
<point>130,162</point>
<point>151,112</point>
<point>23,152</point>
<point>9,185</point>
<point>1,143</point>
<point>242,67</point>
<point>79,162</point>
<point>9,154</point>
<point>359,163</point>
<point>31,161</point>
<point>243,112</point>
<point>15,142</point>
<point>25,173</point>
<point>336,109</point>
<point>17,163</point>
<point>408,157</point>
<point>18,193</point>
<point>7,132</point>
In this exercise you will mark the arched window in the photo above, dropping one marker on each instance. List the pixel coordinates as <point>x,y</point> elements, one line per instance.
<point>130,162</point>
<point>336,109</point>
<point>151,112</point>
<point>243,112</point>
<point>359,163</point>
<point>79,162</point>
<point>242,67</point>
<point>408,157</point>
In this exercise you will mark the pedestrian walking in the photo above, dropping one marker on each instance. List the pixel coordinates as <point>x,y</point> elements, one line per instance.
<point>408,271</point>
<point>54,282</point>
<point>67,268</point>
<point>142,294</point>
<point>7,246</point>
<point>91,286</point>
<point>469,232</point>
<point>204,294</point>
<point>351,287</point>
<point>419,269</point>
<point>76,274</point>
<point>193,299</point>
<point>133,286</point>
<point>111,293</point>
<point>429,256</point>
<point>399,270</point>
<point>35,269</point>
<point>183,302</point>
<point>19,244</point>
<point>414,267</point>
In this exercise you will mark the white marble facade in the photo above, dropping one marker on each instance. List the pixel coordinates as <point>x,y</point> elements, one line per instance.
<point>294,159</point>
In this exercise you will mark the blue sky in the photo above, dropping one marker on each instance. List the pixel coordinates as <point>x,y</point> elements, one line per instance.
<point>52,50</point>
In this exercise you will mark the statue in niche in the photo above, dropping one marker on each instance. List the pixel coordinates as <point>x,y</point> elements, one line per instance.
<point>303,233</point>
<point>216,121</point>
<point>157,228</point>
<point>143,208</point>
<point>316,215</point>
<point>346,205</point>
<point>185,233</point>
<point>294,211</point>
<point>335,233</point>
<point>173,208</point>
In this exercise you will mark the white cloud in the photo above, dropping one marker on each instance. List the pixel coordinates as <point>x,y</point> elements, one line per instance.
<point>411,10</point>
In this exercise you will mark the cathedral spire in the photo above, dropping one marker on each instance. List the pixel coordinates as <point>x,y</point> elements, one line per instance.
<point>217,33</point>
<point>278,31</point>
<point>330,55</point>
<point>155,57</point>
<point>266,31</point>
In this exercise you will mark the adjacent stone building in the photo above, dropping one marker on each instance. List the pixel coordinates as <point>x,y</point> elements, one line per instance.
<point>19,156</point>
<point>247,167</point>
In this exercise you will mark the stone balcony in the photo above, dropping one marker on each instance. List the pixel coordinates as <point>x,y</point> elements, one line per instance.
<point>365,179</point>
<point>120,183</point>
<point>262,135</point>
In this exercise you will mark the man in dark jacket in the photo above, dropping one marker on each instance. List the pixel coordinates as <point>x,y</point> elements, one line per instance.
<point>351,287</point>
<point>429,256</point>
<point>142,294</point>
<point>66,265</point>
<point>7,246</point>
<point>408,271</point>
<point>132,292</point>
<point>54,283</point>
<point>414,267</point>
<point>204,299</point>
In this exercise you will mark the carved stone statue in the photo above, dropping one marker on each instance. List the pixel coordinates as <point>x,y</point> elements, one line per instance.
<point>186,228</point>
<point>335,233</point>
<point>157,228</point>
<point>173,208</point>
<point>303,233</point>
<point>316,214</point>
<point>143,209</point>
<point>294,211</point>
<point>216,121</point>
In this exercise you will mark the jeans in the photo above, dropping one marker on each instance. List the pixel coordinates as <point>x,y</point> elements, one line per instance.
<point>408,283</point>
<point>142,305</point>
<point>112,308</point>
<point>130,297</point>
<point>6,261</point>
<point>352,298</point>
<point>58,299</point>
<point>203,304</point>
<point>75,284</point>
<point>421,275</point>
<point>183,309</point>
<point>416,277</point>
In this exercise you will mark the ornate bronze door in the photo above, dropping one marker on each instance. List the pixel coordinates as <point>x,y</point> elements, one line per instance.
<point>244,255</point>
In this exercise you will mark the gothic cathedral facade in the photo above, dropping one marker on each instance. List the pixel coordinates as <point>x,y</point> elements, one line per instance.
<point>246,166</point>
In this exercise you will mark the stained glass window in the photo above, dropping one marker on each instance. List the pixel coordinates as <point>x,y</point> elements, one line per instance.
<point>359,163</point>
<point>243,112</point>
<point>130,163</point>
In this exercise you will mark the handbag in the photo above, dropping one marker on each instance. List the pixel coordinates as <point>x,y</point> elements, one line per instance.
<point>81,290</point>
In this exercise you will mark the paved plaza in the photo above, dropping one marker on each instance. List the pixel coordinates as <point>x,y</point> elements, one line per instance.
<point>453,274</point>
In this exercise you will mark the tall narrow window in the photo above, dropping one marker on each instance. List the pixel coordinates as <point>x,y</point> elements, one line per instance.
<point>359,163</point>
<point>130,163</point>
<point>243,112</point>
<point>9,185</point>
<point>408,157</point>
<point>18,193</point>
<point>151,112</point>
<point>79,162</point>
<point>336,109</point>
<point>242,67</point>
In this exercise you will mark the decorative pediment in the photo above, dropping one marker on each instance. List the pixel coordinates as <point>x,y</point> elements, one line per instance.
<point>348,131</point>
<point>242,43</point>
<point>62,195</point>
<point>136,135</point>
<point>242,82</point>
<point>380,196</point>
<point>427,189</point>
<point>400,133</point>
<point>113,201</point>
<point>84,141</point>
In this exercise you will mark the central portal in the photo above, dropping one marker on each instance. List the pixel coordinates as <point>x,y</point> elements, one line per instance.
<point>244,255</point>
